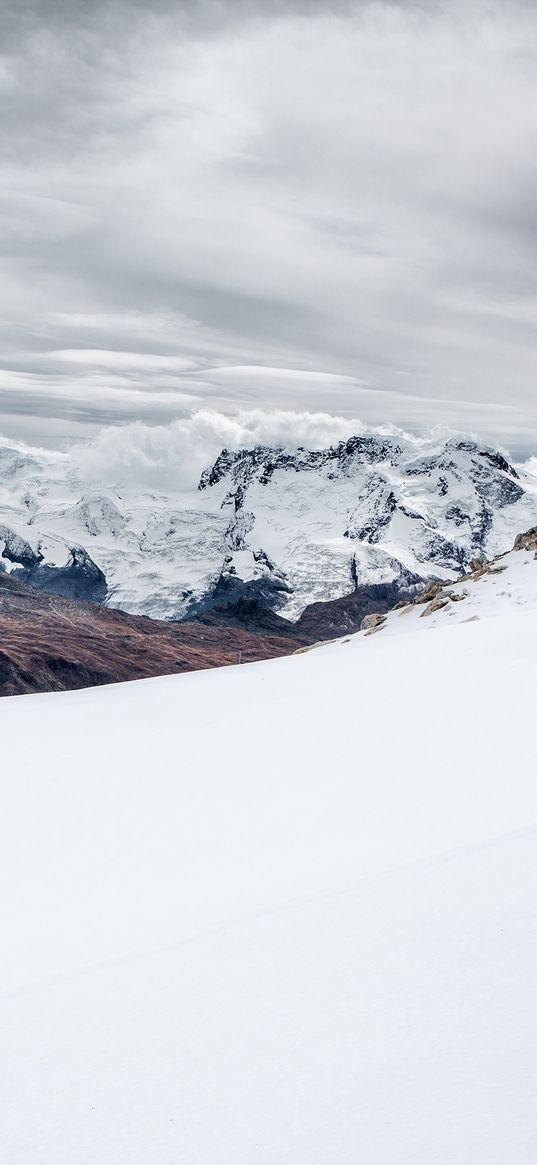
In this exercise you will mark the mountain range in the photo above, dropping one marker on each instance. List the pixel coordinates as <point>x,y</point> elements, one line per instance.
<point>278,531</point>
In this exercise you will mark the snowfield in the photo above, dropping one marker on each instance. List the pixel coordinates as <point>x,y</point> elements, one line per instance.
<point>285,912</point>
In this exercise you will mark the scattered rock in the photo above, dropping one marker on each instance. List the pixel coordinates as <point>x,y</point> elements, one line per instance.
<point>436,604</point>
<point>478,566</point>
<point>527,540</point>
<point>312,646</point>
<point>371,622</point>
<point>430,593</point>
<point>373,630</point>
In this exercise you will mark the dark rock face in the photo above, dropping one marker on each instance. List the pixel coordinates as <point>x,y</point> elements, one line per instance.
<point>80,578</point>
<point>480,527</point>
<point>345,615</point>
<point>368,521</point>
<point>18,550</point>
<point>457,515</point>
<point>492,456</point>
<point>437,550</point>
<point>260,463</point>
<point>232,594</point>
<point>498,461</point>
<point>487,467</point>
<point>493,487</point>
<point>224,462</point>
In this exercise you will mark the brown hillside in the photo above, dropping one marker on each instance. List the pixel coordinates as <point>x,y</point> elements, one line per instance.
<point>49,643</point>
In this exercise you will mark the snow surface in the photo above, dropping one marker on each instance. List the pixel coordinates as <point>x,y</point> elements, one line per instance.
<point>283,912</point>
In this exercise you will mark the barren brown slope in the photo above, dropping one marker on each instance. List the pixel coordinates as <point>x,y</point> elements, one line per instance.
<point>49,643</point>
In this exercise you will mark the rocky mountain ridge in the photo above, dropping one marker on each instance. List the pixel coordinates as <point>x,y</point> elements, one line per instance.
<point>280,530</point>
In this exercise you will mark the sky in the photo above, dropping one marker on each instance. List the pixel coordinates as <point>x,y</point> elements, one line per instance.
<point>299,208</point>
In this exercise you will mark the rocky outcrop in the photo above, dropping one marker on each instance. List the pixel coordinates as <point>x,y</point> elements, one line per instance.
<point>371,622</point>
<point>265,588</point>
<point>373,514</point>
<point>260,463</point>
<point>80,578</point>
<point>345,615</point>
<point>526,541</point>
<point>17,550</point>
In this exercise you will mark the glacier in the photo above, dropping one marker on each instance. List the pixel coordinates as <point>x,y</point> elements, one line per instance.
<point>289,526</point>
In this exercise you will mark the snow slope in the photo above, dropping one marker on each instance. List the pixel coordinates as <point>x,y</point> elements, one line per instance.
<point>283,912</point>
<point>299,525</point>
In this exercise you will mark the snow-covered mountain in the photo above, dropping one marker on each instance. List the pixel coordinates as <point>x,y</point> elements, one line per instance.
<point>283,912</point>
<point>288,527</point>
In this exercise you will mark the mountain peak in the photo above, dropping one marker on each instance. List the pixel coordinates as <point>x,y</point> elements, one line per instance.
<point>288,525</point>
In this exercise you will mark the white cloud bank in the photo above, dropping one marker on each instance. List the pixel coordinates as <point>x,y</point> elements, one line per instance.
<point>173,456</point>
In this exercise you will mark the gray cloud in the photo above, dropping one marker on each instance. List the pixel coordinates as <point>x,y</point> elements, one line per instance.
<point>346,189</point>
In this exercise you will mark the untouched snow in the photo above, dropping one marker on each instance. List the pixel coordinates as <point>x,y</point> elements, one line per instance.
<point>280,913</point>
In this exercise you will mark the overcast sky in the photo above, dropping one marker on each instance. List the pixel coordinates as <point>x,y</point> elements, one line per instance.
<point>305,206</point>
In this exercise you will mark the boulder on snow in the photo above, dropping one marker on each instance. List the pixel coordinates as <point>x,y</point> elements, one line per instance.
<point>436,604</point>
<point>478,566</point>
<point>527,540</point>
<point>430,593</point>
<point>372,621</point>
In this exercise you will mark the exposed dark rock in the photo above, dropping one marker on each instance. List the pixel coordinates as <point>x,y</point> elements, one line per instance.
<point>495,488</point>
<point>260,463</point>
<point>481,525</point>
<point>224,462</point>
<point>374,511</point>
<point>457,515</point>
<point>436,550</point>
<point>340,616</point>
<point>369,450</point>
<point>232,594</point>
<point>240,526</point>
<point>354,573</point>
<point>496,459</point>
<point>80,578</point>
<point>413,514</point>
<point>18,550</point>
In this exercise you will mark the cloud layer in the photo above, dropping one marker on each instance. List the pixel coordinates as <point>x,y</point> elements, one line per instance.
<point>172,457</point>
<point>309,206</point>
